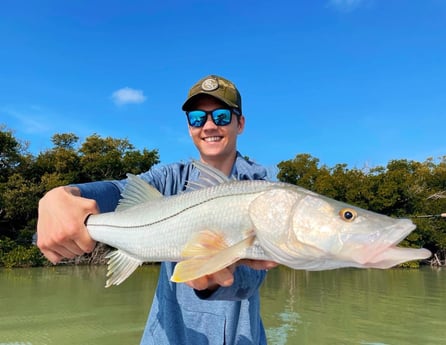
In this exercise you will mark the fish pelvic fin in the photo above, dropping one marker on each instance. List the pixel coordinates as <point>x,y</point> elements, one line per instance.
<point>120,267</point>
<point>208,253</point>
<point>136,192</point>
<point>204,243</point>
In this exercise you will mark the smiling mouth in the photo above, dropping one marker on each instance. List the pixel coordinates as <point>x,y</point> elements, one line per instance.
<point>213,139</point>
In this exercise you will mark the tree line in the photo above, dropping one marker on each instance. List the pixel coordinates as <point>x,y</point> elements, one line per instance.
<point>402,188</point>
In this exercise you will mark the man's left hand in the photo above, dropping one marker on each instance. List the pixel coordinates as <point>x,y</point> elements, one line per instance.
<point>225,277</point>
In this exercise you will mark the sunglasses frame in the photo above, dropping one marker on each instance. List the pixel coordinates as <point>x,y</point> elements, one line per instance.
<point>204,118</point>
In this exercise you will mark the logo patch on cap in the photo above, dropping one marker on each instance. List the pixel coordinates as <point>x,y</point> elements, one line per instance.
<point>209,84</point>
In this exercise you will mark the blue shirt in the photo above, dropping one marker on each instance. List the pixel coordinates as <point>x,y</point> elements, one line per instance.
<point>179,314</point>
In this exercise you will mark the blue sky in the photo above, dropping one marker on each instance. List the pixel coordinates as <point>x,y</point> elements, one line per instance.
<point>359,82</point>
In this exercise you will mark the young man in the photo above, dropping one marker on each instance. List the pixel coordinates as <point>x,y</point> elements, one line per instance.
<point>222,308</point>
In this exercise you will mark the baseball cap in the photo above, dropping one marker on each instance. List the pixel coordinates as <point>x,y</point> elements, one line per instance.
<point>218,87</point>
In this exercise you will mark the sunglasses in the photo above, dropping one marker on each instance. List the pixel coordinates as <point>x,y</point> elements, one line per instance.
<point>221,117</point>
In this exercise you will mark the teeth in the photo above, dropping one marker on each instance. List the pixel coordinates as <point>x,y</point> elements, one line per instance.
<point>212,139</point>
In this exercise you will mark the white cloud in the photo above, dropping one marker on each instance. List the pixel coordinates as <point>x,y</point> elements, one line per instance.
<point>128,95</point>
<point>346,5</point>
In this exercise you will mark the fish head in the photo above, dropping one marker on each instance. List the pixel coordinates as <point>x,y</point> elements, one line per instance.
<point>344,231</point>
<point>316,232</point>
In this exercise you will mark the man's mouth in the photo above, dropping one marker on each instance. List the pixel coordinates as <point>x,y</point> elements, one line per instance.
<point>212,139</point>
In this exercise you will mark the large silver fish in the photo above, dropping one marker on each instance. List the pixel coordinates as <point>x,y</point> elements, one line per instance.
<point>209,228</point>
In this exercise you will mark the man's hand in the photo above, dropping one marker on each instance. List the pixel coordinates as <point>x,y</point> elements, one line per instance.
<point>225,277</point>
<point>61,231</point>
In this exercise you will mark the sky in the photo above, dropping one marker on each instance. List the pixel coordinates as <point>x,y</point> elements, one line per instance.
<point>356,82</point>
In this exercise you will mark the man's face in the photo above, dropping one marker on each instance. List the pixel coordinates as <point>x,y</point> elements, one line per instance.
<point>212,141</point>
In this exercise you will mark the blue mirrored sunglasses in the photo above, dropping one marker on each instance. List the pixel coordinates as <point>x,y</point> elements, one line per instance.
<point>221,117</point>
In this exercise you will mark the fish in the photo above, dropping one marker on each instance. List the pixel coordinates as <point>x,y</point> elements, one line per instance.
<point>218,221</point>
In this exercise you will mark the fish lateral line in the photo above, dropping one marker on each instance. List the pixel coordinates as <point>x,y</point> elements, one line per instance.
<point>191,207</point>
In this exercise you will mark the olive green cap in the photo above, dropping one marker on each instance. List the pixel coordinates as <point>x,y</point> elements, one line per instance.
<point>217,87</point>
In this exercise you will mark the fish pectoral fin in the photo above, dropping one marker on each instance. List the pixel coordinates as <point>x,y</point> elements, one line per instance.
<point>200,266</point>
<point>204,243</point>
<point>120,267</point>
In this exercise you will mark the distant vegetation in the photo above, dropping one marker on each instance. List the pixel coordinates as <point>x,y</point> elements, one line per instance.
<point>401,189</point>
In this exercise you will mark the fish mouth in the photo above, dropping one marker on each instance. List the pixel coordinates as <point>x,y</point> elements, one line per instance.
<point>398,231</point>
<point>382,250</point>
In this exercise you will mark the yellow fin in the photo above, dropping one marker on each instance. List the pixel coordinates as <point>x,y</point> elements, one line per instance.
<point>204,243</point>
<point>199,266</point>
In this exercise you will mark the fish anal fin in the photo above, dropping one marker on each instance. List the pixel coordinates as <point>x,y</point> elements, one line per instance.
<point>120,267</point>
<point>200,266</point>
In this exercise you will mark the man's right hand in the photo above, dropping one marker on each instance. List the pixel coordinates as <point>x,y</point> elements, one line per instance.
<point>61,230</point>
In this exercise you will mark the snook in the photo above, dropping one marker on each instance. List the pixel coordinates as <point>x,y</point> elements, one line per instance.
<point>207,229</point>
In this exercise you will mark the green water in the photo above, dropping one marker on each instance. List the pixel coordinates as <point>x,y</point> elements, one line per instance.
<point>69,305</point>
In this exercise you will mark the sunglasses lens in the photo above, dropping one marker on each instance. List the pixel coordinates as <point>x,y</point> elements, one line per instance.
<point>221,117</point>
<point>196,118</point>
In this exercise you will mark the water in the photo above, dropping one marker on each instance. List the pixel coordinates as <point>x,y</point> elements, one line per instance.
<point>69,305</point>
<point>351,306</point>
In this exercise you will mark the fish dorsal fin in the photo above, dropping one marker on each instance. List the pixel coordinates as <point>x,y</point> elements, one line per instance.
<point>208,254</point>
<point>120,267</point>
<point>209,177</point>
<point>136,192</point>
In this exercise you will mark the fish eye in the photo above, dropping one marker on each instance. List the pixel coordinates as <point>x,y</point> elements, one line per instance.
<point>348,214</point>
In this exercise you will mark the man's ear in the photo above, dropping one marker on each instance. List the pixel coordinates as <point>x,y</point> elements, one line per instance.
<point>241,124</point>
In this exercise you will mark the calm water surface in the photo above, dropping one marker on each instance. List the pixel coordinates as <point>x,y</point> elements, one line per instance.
<point>69,305</point>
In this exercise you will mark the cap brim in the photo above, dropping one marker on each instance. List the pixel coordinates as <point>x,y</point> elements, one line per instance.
<point>188,102</point>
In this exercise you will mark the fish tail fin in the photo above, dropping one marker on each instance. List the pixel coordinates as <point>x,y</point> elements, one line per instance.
<point>208,258</point>
<point>120,267</point>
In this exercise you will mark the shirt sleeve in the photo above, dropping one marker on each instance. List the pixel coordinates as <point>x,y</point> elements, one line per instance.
<point>106,193</point>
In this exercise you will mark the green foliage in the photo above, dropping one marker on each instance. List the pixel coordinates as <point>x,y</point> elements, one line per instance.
<point>12,153</point>
<point>6,245</point>
<point>21,256</point>
<point>61,163</point>
<point>13,255</point>
<point>303,170</point>
<point>65,141</point>
<point>108,158</point>
<point>24,179</point>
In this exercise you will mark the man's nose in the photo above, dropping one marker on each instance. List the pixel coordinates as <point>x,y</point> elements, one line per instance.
<point>209,122</point>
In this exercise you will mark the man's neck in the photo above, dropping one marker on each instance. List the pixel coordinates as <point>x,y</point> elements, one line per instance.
<point>223,164</point>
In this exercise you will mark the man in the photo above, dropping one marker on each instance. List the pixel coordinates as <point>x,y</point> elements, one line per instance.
<point>222,308</point>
